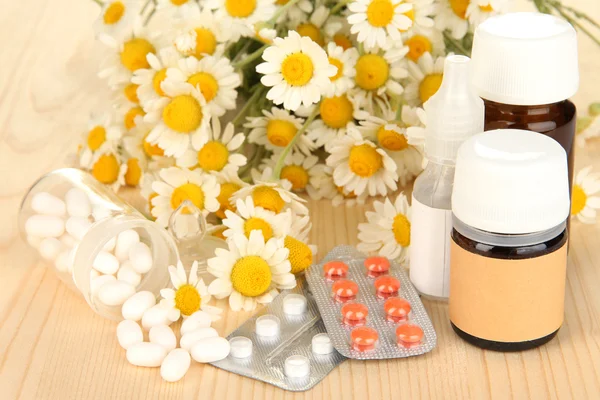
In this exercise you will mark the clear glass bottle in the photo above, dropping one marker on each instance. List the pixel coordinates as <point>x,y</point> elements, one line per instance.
<point>108,216</point>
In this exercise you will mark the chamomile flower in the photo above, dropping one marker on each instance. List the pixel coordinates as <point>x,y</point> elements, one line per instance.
<point>387,231</point>
<point>146,191</point>
<point>229,183</point>
<point>200,33</point>
<point>301,253</point>
<point>117,17</point>
<point>425,78</point>
<point>338,32</point>
<point>294,14</point>
<point>421,14</point>
<point>379,22</point>
<point>415,120</point>
<point>338,196</point>
<point>344,61</point>
<point>584,203</point>
<point>150,79</point>
<point>297,70</point>
<point>265,35</point>
<point>130,116</point>
<point>176,7</point>
<point>273,195</point>
<point>359,165</point>
<point>177,185</point>
<point>217,151</point>
<point>239,16</point>
<point>107,168</point>
<point>303,172</point>
<point>275,129</point>
<point>136,146</point>
<point>313,27</point>
<point>480,10</point>
<point>179,119</point>
<point>452,15</point>
<point>214,77</point>
<point>189,295</point>
<point>420,41</point>
<point>337,114</point>
<point>101,130</point>
<point>248,218</point>
<point>250,271</point>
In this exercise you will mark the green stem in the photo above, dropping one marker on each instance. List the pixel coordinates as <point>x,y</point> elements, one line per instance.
<point>456,44</point>
<point>559,8</point>
<point>339,6</point>
<point>575,12</point>
<point>249,103</point>
<point>240,52</point>
<point>290,146</point>
<point>145,6</point>
<point>250,57</point>
<point>280,11</point>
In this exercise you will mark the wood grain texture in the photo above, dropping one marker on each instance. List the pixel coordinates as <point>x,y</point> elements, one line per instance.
<point>53,347</point>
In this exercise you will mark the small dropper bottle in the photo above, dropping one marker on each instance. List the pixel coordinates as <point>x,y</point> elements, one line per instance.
<point>454,114</point>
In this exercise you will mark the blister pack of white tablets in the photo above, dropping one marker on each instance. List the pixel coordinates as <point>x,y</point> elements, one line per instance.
<point>369,307</point>
<point>285,344</point>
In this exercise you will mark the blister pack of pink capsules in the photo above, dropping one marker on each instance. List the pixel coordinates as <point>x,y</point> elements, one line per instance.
<point>369,306</point>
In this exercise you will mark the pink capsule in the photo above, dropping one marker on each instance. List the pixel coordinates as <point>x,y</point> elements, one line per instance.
<point>354,314</point>
<point>377,266</point>
<point>344,290</point>
<point>387,286</point>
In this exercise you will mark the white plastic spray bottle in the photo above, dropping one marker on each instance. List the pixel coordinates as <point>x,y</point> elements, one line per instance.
<point>454,114</point>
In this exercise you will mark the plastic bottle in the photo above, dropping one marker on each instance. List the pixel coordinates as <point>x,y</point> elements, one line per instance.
<point>454,114</point>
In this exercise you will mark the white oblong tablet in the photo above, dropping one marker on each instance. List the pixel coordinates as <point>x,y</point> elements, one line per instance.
<point>140,257</point>
<point>68,240</point>
<point>106,263</point>
<point>267,326</point>
<point>50,248</point>
<point>146,354</point>
<point>321,344</point>
<point>110,245</point>
<point>78,203</point>
<point>294,304</point>
<point>129,333</point>
<point>115,293</point>
<point>199,319</point>
<point>44,226</point>
<point>135,306</point>
<point>97,283</point>
<point>154,316</point>
<point>296,367</point>
<point>48,204</point>
<point>190,338</point>
<point>100,212</point>
<point>125,240</point>
<point>175,365</point>
<point>163,335</point>
<point>210,349</point>
<point>77,226</point>
<point>127,274</point>
<point>241,347</point>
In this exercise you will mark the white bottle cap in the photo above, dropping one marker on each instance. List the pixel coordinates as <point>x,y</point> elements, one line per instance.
<point>296,367</point>
<point>294,304</point>
<point>511,181</point>
<point>454,112</point>
<point>525,59</point>
<point>240,347</point>
<point>267,325</point>
<point>321,344</point>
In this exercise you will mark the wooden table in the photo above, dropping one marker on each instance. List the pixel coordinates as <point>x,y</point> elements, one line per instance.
<point>52,346</point>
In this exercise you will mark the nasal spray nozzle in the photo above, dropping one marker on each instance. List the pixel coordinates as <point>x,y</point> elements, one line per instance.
<point>454,112</point>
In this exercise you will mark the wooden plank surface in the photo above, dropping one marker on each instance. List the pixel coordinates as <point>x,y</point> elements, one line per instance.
<point>53,347</point>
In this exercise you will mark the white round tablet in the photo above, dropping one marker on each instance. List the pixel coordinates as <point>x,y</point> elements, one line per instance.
<point>267,325</point>
<point>241,347</point>
<point>296,367</point>
<point>294,304</point>
<point>321,344</point>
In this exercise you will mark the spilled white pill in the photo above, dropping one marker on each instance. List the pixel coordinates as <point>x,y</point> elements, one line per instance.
<point>125,240</point>
<point>175,365</point>
<point>140,257</point>
<point>78,203</point>
<point>110,245</point>
<point>115,293</point>
<point>127,274</point>
<point>129,333</point>
<point>210,349</point>
<point>77,226</point>
<point>241,347</point>
<point>50,248</point>
<point>164,336</point>
<point>154,316</point>
<point>199,319</point>
<point>135,307</point>
<point>146,354</point>
<point>106,263</point>
<point>190,338</point>
<point>47,204</point>
<point>296,366</point>
<point>44,226</point>
<point>97,283</point>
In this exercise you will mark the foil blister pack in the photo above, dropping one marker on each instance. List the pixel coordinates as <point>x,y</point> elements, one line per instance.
<point>284,344</point>
<point>365,317</point>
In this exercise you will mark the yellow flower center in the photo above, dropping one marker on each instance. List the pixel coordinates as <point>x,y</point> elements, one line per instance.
<point>297,69</point>
<point>364,160</point>
<point>372,71</point>
<point>157,79</point>
<point>258,224</point>
<point>429,85</point>
<point>133,56</point>
<point>336,112</point>
<point>179,2</point>
<point>206,83</point>
<point>134,172</point>
<point>342,40</point>
<point>187,191</point>
<point>488,8</point>
<point>281,2</point>
<point>114,13</point>
<point>96,137</point>
<point>380,13</point>
<point>300,257</point>
<point>152,149</point>
<point>219,233</point>
<point>130,92</point>
<point>206,42</point>
<point>150,205</point>
<point>183,114</point>
<point>227,190</point>
<point>459,7</point>
<point>213,156</point>
<point>391,140</point>
<point>297,176</point>
<point>251,276</point>
<point>280,132</point>
<point>106,169</point>
<point>340,68</point>
<point>350,195</point>
<point>311,31</point>
<point>240,8</point>
<point>268,198</point>
<point>129,119</point>
<point>187,299</point>
<point>417,45</point>
<point>401,229</point>
<point>578,199</point>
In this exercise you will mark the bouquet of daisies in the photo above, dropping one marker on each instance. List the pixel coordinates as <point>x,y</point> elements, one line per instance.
<point>245,107</point>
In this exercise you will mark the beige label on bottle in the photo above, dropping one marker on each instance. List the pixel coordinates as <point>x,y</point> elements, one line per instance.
<point>507,300</point>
